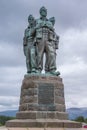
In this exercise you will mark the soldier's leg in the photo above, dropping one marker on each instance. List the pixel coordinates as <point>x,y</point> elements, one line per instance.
<point>27,61</point>
<point>40,52</point>
<point>33,59</point>
<point>51,56</point>
<point>46,63</point>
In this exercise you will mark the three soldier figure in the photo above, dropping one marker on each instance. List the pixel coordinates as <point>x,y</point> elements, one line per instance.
<point>40,38</point>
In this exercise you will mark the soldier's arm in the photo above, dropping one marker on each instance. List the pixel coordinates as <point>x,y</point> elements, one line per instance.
<point>33,32</point>
<point>56,41</point>
<point>24,43</point>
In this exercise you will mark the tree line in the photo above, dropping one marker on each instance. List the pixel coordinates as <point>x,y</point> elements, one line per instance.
<point>3,119</point>
<point>81,119</point>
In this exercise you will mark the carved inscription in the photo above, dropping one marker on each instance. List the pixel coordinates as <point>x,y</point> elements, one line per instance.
<point>46,94</point>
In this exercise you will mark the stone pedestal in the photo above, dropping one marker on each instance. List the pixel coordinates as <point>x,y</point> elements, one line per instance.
<point>42,104</point>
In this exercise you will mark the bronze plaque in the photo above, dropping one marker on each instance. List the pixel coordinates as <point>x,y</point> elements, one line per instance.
<point>46,94</point>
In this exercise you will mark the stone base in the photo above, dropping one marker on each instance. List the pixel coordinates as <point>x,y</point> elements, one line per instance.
<point>43,123</point>
<point>42,93</point>
<point>42,115</point>
<point>42,104</point>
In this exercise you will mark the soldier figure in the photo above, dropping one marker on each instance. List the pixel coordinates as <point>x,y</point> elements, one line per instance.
<point>39,39</point>
<point>54,40</point>
<point>29,46</point>
<point>45,44</point>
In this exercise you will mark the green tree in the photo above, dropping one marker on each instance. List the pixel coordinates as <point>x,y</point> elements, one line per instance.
<point>80,119</point>
<point>3,119</point>
<point>85,120</point>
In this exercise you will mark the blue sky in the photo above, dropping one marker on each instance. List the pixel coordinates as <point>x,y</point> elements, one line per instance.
<point>71,26</point>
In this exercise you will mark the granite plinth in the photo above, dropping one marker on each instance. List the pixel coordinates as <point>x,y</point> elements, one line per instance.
<point>42,104</point>
<point>43,123</point>
<point>42,115</point>
<point>42,93</point>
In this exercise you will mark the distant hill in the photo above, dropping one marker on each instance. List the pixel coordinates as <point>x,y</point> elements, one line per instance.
<point>11,113</point>
<point>73,112</point>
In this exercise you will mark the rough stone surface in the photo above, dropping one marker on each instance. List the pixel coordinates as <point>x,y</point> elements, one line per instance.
<point>42,104</point>
<point>51,123</point>
<point>28,128</point>
<point>60,107</point>
<point>41,115</point>
<point>42,93</point>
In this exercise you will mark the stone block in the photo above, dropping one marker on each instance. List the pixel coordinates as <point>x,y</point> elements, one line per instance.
<point>43,123</point>
<point>59,85</point>
<point>28,84</point>
<point>29,99</point>
<point>59,92</point>
<point>23,107</point>
<point>26,115</point>
<point>32,91</point>
<point>24,92</point>
<point>60,107</point>
<point>54,124</point>
<point>29,91</point>
<point>42,107</point>
<point>59,100</point>
<point>51,115</point>
<point>61,115</point>
<point>41,114</point>
<point>32,107</point>
<point>72,124</point>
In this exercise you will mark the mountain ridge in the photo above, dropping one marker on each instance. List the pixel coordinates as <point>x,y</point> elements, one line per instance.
<point>11,113</point>
<point>75,112</point>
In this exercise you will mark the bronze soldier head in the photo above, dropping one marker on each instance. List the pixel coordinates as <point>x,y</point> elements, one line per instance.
<point>31,19</point>
<point>43,11</point>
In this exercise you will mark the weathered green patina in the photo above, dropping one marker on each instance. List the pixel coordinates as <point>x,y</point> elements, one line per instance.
<point>40,38</point>
<point>29,46</point>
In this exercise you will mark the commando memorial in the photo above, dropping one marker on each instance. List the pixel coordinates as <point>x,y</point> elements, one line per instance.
<point>42,102</point>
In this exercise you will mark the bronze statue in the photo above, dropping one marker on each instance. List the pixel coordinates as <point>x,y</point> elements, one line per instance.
<point>40,38</point>
<point>29,46</point>
<point>54,41</point>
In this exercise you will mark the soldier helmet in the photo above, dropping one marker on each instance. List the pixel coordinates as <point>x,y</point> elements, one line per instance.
<point>30,17</point>
<point>43,9</point>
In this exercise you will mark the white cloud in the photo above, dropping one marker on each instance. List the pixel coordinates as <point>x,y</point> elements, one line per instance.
<point>73,44</point>
<point>11,54</point>
<point>73,66</point>
<point>76,100</point>
<point>77,67</point>
<point>8,103</point>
